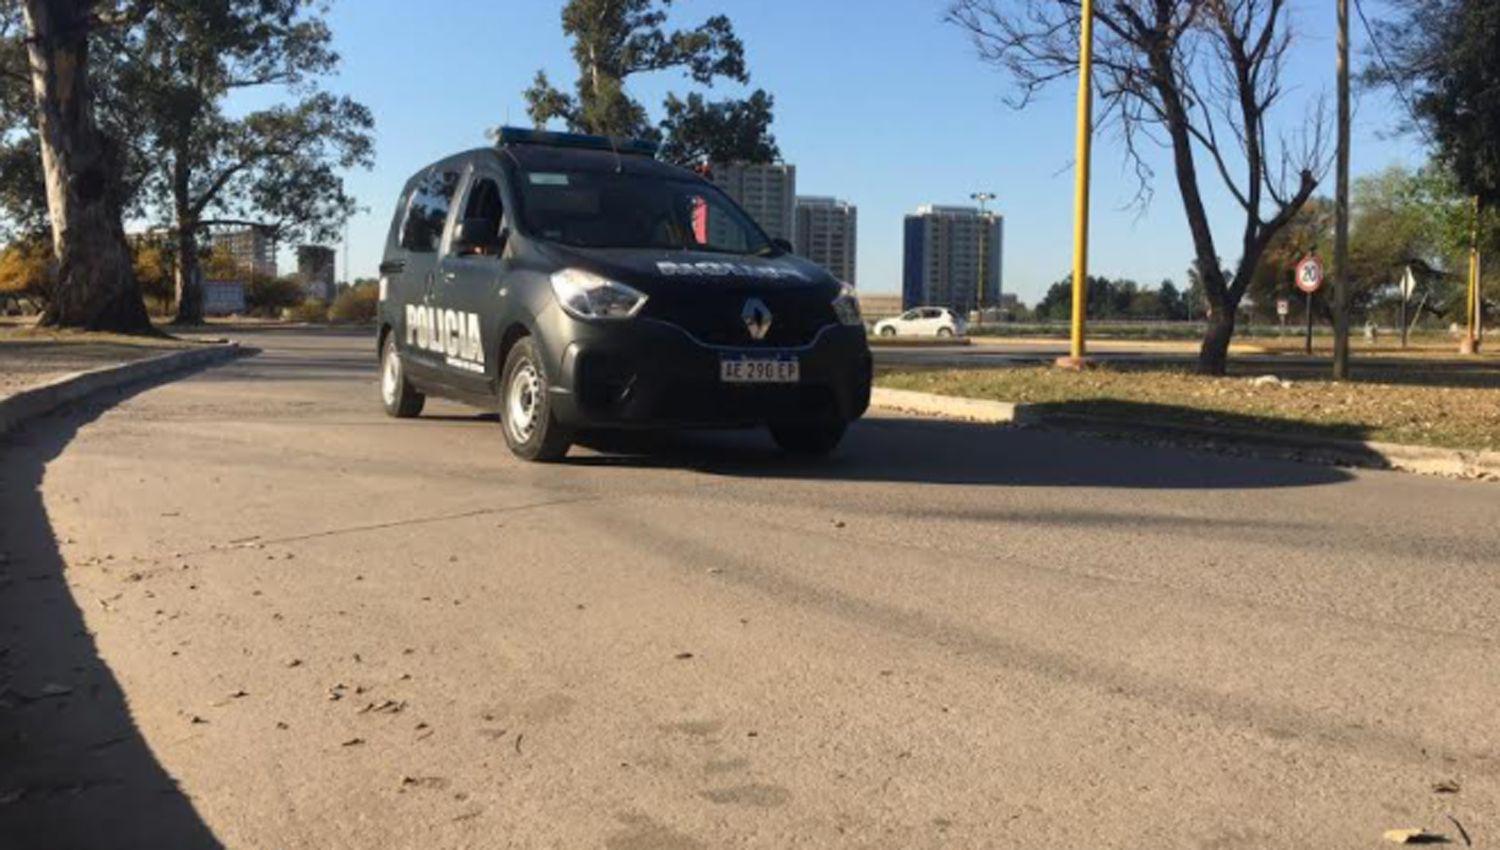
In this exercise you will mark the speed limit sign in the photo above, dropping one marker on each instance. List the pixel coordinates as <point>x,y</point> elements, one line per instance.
<point>1309,274</point>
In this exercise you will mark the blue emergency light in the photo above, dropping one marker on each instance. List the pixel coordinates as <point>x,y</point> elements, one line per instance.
<point>523,136</point>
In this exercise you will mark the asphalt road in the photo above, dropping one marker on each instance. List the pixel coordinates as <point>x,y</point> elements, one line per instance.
<point>246,609</point>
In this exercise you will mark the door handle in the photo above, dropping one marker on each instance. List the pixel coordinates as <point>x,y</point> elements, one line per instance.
<point>450,276</point>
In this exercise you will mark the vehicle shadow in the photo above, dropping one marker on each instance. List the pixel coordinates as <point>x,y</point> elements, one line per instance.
<point>75,772</point>
<point>930,451</point>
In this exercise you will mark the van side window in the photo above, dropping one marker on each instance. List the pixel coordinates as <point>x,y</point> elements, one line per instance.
<point>484,203</point>
<point>427,211</point>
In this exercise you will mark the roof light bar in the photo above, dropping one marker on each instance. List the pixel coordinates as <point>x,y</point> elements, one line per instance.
<point>523,136</point>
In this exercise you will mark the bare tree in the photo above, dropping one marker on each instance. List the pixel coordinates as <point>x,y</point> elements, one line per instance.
<point>96,287</point>
<point>1197,76</point>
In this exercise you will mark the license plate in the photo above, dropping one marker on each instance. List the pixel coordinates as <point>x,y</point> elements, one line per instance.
<point>760,370</point>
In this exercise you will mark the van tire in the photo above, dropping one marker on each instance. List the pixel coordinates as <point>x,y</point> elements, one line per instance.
<point>531,431</point>
<point>399,397</point>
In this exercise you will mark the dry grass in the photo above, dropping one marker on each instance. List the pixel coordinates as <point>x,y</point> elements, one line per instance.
<point>1411,410</point>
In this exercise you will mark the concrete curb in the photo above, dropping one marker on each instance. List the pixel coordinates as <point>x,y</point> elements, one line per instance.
<point>952,407</point>
<point>1423,460</point>
<point>41,400</point>
<point>877,341</point>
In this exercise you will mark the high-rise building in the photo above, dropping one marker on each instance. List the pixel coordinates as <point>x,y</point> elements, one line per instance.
<point>315,271</point>
<point>251,247</point>
<point>826,232</point>
<point>768,192</point>
<point>944,247</point>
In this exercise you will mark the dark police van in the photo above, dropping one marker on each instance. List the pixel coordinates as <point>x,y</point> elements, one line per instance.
<point>575,282</point>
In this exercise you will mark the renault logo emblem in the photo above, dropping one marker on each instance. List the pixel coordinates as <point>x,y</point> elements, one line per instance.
<point>757,318</point>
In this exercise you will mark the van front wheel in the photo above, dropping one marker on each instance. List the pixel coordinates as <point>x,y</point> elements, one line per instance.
<point>531,431</point>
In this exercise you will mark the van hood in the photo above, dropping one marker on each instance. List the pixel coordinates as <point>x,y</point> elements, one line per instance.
<point>707,294</point>
<point>650,269</point>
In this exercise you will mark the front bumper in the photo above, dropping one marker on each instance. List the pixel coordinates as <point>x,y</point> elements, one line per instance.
<point>650,373</point>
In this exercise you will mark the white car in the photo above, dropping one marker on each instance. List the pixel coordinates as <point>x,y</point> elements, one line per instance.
<point>923,321</point>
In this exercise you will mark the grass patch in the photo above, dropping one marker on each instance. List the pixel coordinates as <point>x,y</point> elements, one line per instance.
<point>1450,416</point>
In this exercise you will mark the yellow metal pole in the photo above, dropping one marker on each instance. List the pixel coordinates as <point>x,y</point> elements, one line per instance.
<point>1478,280</point>
<point>1081,179</point>
<point>1470,343</point>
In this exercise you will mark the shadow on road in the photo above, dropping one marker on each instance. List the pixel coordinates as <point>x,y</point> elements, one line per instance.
<point>75,772</point>
<point>923,451</point>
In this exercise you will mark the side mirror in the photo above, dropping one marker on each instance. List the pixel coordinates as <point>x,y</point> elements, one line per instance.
<point>782,245</point>
<point>479,236</point>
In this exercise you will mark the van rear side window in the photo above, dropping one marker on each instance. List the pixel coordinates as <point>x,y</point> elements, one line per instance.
<point>427,211</point>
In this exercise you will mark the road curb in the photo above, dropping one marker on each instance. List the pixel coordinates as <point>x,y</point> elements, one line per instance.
<point>1423,460</point>
<point>41,400</point>
<point>952,407</point>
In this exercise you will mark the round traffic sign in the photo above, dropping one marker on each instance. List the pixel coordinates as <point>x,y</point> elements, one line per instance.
<point>1310,274</point>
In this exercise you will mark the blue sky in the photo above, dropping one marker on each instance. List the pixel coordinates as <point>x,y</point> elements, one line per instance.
<point>877,101</point>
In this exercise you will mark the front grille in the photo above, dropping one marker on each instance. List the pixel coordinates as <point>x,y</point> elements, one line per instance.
<point>715,316</point>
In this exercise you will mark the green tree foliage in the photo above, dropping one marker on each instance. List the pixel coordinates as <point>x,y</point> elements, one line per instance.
<point>268,296</point>
<point>1423,219</point>
<point>163,71</point>
<point>278,166</point>
<point>1114,299</point>
<point>26,267</point>
<point>23,188</point>
<point>153,261</point>
<point>614,40</point>
<point>357,303</point>
<point>726,131</point>
<point>1442,55</point>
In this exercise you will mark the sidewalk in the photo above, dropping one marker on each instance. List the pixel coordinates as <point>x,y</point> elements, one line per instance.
<point>41,371</point>
<point>31,358</point>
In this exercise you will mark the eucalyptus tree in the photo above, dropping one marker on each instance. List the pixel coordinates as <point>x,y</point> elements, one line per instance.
<point>59,147</point>
<point>615,40</point>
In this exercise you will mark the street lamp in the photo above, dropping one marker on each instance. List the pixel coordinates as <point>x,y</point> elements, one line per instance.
<point>983,198</point>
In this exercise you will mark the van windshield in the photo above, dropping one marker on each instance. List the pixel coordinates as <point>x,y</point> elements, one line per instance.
<point>587,209</point>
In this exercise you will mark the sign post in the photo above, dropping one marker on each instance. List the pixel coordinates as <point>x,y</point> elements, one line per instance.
<point>1283,307</point>
<point>1408,287</point>
<point>1309,279</point>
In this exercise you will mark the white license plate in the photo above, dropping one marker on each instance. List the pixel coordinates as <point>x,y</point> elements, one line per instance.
<point>760,370</point>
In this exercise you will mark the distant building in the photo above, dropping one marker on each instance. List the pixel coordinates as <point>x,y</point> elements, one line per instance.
<point>768,193</point>
<point>826,232</point>
<point>253,249</point>
<point>879,305</point>
<point>943,247</point>
<point>315,271</point>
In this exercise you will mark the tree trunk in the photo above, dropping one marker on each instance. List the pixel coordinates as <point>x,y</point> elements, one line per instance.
<point>1213,355</point>
<point>96,287</point>
<point>189,277</point>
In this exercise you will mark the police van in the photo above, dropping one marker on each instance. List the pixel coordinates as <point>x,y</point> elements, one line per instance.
<point>576,282</point>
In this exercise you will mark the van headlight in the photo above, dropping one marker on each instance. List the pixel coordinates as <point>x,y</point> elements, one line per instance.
<point>846,306</point>
<point>585,295</point>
